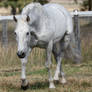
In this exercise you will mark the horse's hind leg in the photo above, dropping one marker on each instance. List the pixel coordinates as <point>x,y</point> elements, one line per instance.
<point>58,54</point>
<point>57,72</point>
<point>63,80</point>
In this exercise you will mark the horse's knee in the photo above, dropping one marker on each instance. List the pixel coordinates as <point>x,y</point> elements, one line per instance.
<point>48,65</point>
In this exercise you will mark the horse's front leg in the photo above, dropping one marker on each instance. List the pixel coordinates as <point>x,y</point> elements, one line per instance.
<point>48,63</point>
<point>24,84</point>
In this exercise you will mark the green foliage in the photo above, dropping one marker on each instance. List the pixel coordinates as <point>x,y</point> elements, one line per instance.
<point>22,3</point>
<point>15,3</point>
<point>87,5</point>
<point>41,1</point>
<point>19,3</point>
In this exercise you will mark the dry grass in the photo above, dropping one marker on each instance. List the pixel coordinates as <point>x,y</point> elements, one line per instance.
<point>8,57</point>
<point>79,78</point>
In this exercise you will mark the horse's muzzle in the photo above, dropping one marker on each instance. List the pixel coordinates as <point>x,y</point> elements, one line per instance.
<point>21,54</point>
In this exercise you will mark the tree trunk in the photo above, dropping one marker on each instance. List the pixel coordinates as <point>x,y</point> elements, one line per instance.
<point>41,1</point>
<point>90,4</point>
<point>13,11</point>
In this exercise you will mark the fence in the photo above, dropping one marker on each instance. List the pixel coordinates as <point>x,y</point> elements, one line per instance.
<point>4,21</point>
<point>80,18</point>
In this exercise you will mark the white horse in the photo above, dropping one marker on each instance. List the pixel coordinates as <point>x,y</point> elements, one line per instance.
<point>50,27</point>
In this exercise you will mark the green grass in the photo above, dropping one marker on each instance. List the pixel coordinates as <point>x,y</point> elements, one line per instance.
<point>79,77</point>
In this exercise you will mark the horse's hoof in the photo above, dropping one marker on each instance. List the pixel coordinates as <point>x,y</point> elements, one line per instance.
<point>63,81</point>
<point>56,78</point>
<point>52,86</point>
<point>24,87</point>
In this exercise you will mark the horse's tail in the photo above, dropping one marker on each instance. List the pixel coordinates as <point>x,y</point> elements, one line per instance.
<point>74,49</point>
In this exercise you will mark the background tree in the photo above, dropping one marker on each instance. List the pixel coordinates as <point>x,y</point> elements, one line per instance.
<point>87,5</point>
<point>18,4</point>
<point>90,4</point>
<point>41,1</point>
<point>14,4</point>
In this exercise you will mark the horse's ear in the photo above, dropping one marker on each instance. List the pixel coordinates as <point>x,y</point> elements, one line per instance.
<point>15,19</point>
<point>28,18</point>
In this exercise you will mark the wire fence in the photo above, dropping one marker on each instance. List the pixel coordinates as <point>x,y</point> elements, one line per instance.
<point>83,27</point>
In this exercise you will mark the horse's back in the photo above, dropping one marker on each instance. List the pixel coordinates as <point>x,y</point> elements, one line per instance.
<point>58,7</point>
<point>61,17</point>
<point>59,12</point>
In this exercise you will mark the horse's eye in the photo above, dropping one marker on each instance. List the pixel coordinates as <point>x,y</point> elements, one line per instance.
<point>27,33</point>
<point>15,33</point>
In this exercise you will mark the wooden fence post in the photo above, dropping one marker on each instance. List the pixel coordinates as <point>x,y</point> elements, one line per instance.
<point>4,33</point>
<point>77,33</point>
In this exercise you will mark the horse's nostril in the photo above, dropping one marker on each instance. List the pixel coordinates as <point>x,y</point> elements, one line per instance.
<point>23,54</point>
<point>20,54</point>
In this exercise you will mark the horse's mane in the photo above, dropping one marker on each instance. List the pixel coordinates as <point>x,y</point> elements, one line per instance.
<point>27,9</point>
<point>36,12</point>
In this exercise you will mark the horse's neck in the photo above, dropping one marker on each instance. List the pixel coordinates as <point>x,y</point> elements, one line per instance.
<point>41,19</point>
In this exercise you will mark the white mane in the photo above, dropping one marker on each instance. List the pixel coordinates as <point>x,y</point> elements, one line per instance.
<point>26,10</point>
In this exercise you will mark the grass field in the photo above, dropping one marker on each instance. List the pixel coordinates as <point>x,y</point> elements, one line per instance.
<point>79,77</point>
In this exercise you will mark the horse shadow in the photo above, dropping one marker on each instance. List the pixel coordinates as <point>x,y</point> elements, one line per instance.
<point>39,85</point>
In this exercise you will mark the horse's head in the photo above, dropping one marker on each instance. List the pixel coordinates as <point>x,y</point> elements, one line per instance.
<point>23,35</point>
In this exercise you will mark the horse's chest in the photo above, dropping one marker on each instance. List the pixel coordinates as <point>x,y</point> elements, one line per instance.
<point>42,44</point>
